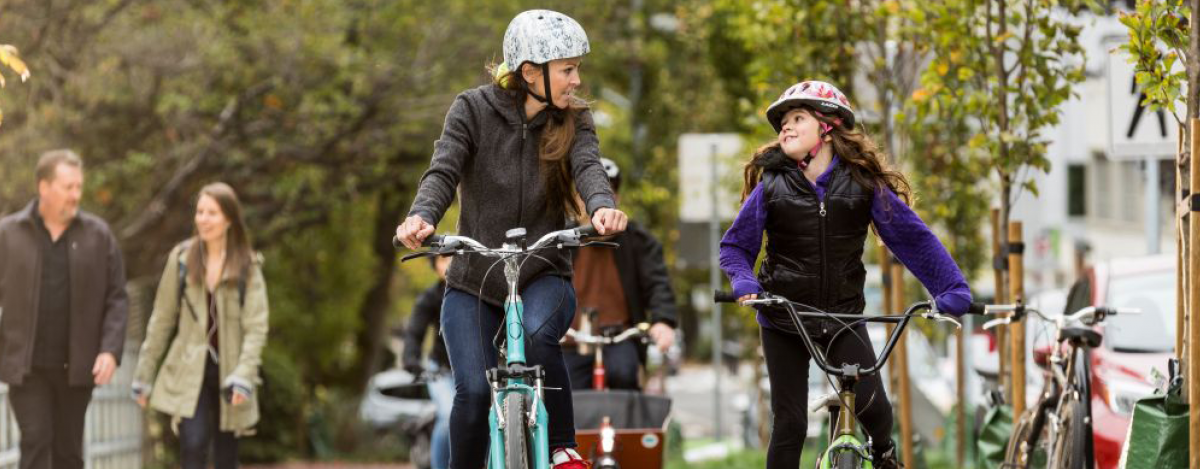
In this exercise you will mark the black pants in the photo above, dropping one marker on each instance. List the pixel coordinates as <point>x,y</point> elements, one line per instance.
<point>50,415</point>
<point>787,369</point>
<point>621,366</point>
<point>198,433</point>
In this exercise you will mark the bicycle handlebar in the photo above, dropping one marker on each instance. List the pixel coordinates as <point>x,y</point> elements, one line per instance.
<point>454,244</point>
<point>1089,315</point>
<point>639,330</point>
<point>929,309</point>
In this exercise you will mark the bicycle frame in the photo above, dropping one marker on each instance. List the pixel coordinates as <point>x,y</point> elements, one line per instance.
<point>514,356</point>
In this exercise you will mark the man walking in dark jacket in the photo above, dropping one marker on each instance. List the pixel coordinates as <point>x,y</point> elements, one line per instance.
<point>623,287</point>
<point>63,307</point>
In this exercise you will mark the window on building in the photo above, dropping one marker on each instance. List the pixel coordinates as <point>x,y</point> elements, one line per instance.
<point>1076,190</point>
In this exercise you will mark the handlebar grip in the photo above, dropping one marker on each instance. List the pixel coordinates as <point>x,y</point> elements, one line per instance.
<point>977,308</point>
<point>429,241</point>
<point>586,231</point>
<point>720,296</point>
<point>432,240</point>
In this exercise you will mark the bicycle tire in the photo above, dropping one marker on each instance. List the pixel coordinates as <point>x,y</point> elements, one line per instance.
<point>1015,454</point>
<point>1070,446</point>
<point>516,446</point>
<point>847,460</point>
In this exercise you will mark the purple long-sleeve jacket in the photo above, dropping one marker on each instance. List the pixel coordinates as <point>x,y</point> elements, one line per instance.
<point>898,226</point>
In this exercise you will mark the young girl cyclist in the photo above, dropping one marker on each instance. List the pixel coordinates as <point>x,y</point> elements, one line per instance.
<point>815,191</point>
<point>514,151</point>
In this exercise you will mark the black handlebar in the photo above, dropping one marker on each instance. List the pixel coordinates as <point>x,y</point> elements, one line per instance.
<point>977,308</point>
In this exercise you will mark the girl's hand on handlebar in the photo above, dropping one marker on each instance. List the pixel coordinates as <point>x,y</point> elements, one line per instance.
<point>741,300</point>
<point>413,231</point>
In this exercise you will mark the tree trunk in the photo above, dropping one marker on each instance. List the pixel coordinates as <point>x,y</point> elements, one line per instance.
<point>379,298</point>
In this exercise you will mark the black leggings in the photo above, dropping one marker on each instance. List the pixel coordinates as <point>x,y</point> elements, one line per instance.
<point>202,431</point>
<point>787,368</point>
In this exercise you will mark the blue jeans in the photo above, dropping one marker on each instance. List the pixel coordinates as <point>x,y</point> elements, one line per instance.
<point>469,326</point>
<point>441,390</point>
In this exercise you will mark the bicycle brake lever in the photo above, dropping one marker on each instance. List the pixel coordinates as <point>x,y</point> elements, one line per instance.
<point>943,318</point>
<point>997,322</point>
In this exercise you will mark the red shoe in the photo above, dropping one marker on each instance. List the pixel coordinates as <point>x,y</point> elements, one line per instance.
<point>567,458</point>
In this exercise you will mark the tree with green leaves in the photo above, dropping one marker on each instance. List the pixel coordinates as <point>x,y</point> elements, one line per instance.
<point>1007,65</point>
<point>9,57</point>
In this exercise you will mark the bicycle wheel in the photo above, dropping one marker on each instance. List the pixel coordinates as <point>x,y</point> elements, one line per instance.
<point>846,460</point>
<point>1071,444</point>
<point>1018,454</point>
<point>516,447</point>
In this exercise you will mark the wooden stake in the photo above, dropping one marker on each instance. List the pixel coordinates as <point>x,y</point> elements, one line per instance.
<point>1016,270</point>
<point>901,359</point>
<point>1193,329</point>
<point>1000,296</point>
<point>1180,257</point>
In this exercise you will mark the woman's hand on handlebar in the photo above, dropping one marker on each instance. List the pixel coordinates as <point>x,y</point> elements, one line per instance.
<point>413,231</point>
<point>609,221</point>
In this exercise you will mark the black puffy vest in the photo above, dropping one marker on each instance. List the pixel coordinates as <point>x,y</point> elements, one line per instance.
<point>815,247</point>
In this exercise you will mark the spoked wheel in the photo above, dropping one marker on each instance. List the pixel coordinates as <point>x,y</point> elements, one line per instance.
<point>1018,454</point>
<point>1071,444</point>
<point>516,446</point>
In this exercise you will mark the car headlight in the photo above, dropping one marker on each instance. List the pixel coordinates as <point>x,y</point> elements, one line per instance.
<point>1122,394</point>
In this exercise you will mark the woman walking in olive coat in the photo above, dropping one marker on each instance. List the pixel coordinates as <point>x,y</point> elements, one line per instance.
<point>212,300</point>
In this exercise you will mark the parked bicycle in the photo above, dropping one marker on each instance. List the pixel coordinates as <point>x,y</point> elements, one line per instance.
<point>1056,430</point>
<point>846,450</point>
<point>517,418</point>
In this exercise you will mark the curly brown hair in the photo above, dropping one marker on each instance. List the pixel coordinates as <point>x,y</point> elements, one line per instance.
<point>868,164</point>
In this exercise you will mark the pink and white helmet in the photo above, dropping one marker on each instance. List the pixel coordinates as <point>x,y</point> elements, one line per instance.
<point>818,95</point>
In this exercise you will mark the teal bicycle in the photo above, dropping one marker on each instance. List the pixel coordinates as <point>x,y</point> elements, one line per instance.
<point>846,450</point>
<point>517,418</point>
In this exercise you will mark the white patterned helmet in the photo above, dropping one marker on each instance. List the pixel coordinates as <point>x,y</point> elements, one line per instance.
<point>540,36</point>
<point>818,95</point>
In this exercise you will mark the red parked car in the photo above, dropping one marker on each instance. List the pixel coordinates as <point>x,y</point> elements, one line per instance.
<point>1133,345</point>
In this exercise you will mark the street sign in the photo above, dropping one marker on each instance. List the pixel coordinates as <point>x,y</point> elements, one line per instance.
<point>696,187</point>
<point>1135,132</point>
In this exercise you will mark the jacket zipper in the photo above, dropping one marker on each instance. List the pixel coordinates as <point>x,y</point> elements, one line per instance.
<point>521,166</point>
<point>824,259</point>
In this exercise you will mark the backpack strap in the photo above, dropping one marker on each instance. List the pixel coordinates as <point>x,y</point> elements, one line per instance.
<point>183,248</point>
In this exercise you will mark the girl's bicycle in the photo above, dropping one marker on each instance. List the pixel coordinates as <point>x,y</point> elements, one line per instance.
<point>517,419</point>
<point>846,450</point>
<point>1058,426</point>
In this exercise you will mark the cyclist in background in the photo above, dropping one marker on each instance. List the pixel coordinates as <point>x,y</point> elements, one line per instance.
<point>427,314</point>
<point>625,286</point>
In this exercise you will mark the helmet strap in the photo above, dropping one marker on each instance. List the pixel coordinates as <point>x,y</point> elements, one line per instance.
<point>546,77</point>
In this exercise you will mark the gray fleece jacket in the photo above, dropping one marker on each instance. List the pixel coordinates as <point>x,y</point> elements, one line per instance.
<point>488,154</point>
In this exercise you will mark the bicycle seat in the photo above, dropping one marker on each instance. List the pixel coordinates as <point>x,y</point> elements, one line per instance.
<point>1082,336</point>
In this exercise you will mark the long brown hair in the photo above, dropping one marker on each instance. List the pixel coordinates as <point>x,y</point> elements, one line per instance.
<point>868,164</point>
<point>238,254</point>
<point>556,141</point>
